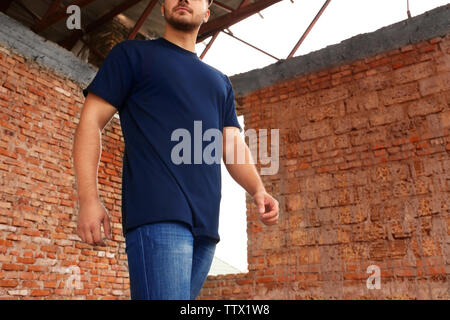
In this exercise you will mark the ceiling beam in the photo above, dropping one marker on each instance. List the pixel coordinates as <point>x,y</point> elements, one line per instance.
<point>208,29</point>
<point>308,29</point>
<point>51,9</point>
<point>4,5</point>
<point>142,19</point>
<point>249,44</point>
<point>222,5</point>
<point>214,37</point>
<point>33,15</point>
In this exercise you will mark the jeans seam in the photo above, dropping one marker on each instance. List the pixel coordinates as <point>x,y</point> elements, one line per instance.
<point>141,242</point>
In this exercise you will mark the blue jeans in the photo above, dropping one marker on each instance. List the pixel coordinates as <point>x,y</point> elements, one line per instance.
<point>166,262</point>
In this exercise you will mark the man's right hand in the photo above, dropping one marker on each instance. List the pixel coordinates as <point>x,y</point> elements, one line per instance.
<point>90,217</point>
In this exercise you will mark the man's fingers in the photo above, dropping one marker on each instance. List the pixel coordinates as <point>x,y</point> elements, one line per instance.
<point>270,222</point>
<point>97,235</point>
<point>272,211</point>
<point>271,204</point>
<point>88,236</point>
<point>260,204</point>
<point>272,217</point>
<point>270,214</point>
<point>268,208</point>
<point>107,227</point>
<point>80,233</point>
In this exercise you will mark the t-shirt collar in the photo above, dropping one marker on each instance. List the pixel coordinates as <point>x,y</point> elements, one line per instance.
<point>175,46</point>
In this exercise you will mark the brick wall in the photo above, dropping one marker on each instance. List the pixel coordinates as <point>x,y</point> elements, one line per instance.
<point>364,180</point>
<point>39,250</point>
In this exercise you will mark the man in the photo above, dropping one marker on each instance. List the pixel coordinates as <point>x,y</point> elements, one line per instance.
<point>170,210</point>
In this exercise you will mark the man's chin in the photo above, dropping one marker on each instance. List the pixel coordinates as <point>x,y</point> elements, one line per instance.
<point>179,25</point>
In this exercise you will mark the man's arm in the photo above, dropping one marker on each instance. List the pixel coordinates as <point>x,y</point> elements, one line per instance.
<point>95,114</point>
<point>247,176</point>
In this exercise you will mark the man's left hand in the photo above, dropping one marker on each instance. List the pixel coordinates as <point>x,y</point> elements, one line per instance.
<point>268,207</point>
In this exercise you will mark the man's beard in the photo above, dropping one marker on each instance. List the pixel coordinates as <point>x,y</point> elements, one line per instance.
<point>179,24</point>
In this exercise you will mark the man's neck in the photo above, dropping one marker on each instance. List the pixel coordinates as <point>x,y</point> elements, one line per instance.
<point>185,40</point>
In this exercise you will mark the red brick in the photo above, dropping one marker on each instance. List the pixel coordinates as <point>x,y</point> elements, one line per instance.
<point>50,284</point>
<point>9,283</point>
<point>294,202</point>
<point>432,271</point>
<point>5,243</point>
<point>332,95</point>
<point>428,105</point>
<point>400,93</point>
<point>391,114</point>
<point>27,276</point>
<point>50,248</point>
<point>316,130</point>
<point>413,72</point>
<point>36,92</point>
<point>26,260</point>
<point>434,84</point>
<point>39,293</point>
<point>265,279</point>
<point>12,267</point>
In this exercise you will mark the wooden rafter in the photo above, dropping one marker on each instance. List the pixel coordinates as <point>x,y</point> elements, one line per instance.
<point>142,19</point>
<point>222,5</point>
<point>4,5</point>
<point>55,5</point>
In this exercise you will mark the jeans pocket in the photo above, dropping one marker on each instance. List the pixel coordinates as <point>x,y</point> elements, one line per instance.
<point>172,236</point>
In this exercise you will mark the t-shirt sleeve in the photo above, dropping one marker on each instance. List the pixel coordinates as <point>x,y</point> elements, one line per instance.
<point>114,78</point>
<point>230,117</point>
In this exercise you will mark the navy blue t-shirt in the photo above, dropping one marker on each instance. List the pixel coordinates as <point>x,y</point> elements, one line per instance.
<point>158,87</point>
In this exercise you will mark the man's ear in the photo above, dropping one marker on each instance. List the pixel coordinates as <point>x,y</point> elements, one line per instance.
<point>162,9</point>
<point>205,19</point>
